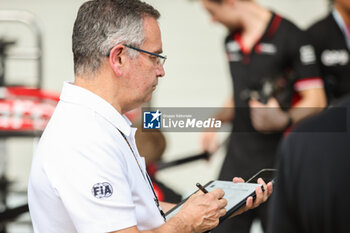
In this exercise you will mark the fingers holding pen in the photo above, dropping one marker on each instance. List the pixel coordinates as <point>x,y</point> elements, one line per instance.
<point>221,202</point>
<point>217,193</point>
<point>215,198</point>
<point>203,210</point>
<point>217,203</point>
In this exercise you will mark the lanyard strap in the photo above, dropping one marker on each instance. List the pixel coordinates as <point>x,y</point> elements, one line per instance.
<point>145,177</point>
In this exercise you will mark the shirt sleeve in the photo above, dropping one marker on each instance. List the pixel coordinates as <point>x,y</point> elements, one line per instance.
<point>91,180</point>
<point>303,60</point>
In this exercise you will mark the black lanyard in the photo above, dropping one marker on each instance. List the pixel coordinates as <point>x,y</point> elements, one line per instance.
<point>146,178</point>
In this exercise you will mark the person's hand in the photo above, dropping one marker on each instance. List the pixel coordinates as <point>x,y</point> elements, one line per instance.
<point>268,117</point>
<point>209,142</point>
<point>261,196</point>
<point>202,211</point>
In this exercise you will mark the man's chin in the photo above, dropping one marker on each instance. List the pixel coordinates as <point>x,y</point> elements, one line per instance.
<point>148,98</point>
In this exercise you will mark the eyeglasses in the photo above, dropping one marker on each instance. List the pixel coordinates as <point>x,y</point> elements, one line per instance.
<point>160,60</point>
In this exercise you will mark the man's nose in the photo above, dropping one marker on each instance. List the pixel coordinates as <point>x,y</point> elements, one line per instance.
<point>160,71</point>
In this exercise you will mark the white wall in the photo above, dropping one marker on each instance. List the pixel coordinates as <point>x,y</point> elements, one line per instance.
<point>196,71</point>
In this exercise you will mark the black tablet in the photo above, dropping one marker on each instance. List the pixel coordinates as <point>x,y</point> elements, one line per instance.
<point>267,174</point>
<point>236,195</point>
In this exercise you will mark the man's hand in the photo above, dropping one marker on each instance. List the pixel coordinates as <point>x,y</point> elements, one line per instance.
<point>261,196</point>
<point>269,117</point>
<point>201,212</point>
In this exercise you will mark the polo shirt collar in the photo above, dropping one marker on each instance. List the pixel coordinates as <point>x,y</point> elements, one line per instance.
<point>342,25</point>
<point>81,96</point>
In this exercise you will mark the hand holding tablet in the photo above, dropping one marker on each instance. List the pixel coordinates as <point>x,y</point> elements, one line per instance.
<point>240,196</point>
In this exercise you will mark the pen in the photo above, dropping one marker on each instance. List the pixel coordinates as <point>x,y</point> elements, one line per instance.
<point>201,188</point>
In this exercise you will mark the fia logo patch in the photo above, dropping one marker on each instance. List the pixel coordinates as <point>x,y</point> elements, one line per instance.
<point>102,190</point>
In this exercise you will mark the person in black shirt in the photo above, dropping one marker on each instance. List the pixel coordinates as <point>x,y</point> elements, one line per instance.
<point>331,39</point>
<point>312,190</point>
<point>265,51</point>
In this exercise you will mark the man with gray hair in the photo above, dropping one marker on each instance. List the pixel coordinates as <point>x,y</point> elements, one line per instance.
<point>87,175</point>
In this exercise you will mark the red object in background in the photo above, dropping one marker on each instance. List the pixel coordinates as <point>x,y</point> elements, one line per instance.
<point>134,115</point>
<point>158,191</point>
<point>152,169</point>
<point>25,109</point>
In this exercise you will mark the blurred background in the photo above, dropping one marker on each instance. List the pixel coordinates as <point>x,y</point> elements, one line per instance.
<point>197,75</point>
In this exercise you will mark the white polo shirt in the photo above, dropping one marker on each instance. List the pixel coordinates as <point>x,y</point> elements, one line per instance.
<point>84,177</point>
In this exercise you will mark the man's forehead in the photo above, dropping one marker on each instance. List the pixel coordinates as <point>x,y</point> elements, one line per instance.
<point>150,26</point>
<point>152,34</point>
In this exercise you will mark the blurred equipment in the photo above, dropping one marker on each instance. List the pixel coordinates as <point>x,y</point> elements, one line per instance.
<point>163,165</point>
<point>17,53</point>
<point>3,47</point>
<point>24,110</point>
<point>279,87</point>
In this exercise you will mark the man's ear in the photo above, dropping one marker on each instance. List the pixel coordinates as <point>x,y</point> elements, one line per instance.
<point>117,59</point>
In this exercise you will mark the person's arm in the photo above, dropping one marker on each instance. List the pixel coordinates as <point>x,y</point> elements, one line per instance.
<point>312,101</point>
<point>166,206</point>
<point>308,84</point>
<point>226,115</point>
<point>200,213</point>
<point>208,139</point>
<point>270,117</point>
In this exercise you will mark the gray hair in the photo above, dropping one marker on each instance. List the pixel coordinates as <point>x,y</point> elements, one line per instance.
<point>102,24</point>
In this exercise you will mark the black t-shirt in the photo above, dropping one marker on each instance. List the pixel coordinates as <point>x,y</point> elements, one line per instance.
<point>312,191</point>
<point>283,57</point>
<point>333,56</point>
